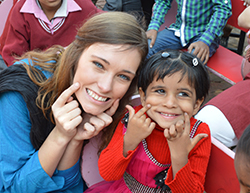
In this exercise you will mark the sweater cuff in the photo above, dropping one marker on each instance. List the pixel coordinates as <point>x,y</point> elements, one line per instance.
<point>154,25</point>
<point>182,179</point>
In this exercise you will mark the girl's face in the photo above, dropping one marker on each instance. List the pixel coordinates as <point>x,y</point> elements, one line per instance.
<point>242,168</point>
<point>104,72</point>
<point>170,98</point>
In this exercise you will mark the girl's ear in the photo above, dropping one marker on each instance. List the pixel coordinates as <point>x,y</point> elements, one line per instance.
<point>197,105</point>
<point>142,96</point>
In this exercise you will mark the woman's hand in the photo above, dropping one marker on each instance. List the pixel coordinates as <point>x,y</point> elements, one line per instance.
<point>67,113</point>
<point>92,125</point>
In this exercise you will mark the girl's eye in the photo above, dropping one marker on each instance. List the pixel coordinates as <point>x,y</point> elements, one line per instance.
<point>160,91</point>
<point>183,94</point>
<point>98,65</point>
<point>124,77</point>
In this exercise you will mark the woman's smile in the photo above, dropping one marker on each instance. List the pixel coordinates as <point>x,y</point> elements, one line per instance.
<point>96,96</point>
<point>104,73</point>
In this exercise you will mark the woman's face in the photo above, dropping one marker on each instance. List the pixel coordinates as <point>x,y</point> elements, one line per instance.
<point>104,72</point>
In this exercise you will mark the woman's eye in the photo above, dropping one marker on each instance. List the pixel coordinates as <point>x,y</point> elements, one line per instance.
<point>124,77</point>
<point>98,65</point>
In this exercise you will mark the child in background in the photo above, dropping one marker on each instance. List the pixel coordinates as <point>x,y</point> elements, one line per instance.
<point>198,26</point>
<point>40,24</point>
<point>241,161</point>
<point>159,146</point>
<point>222,112</point>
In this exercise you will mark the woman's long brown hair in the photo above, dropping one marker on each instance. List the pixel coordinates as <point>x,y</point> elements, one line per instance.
<point>109,28</point>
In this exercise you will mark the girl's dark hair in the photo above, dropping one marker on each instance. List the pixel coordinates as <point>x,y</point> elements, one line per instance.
<point>243,146</point>
<point>171,61</point>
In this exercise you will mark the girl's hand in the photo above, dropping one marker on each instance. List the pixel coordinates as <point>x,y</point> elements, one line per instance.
<point>139,127</point>
<point>178,137</point>
<point>67,113</point>
<point>180,143</point>
<point>92,125</point>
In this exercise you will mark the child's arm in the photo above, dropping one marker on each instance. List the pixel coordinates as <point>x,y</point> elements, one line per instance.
<point>189,157</point>
<point>221,13</point>
<point>115,158</point>
<point>244,18</point>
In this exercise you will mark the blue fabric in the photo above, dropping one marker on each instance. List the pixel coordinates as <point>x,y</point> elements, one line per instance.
<point>204,19</point>
<point>194,17</point>
<point>20,169</point>
<point>166,39</point>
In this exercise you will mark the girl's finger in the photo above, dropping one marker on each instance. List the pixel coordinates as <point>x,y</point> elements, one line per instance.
<point>143,110</point>
<point>179,126</point>
<point>131,111</point>
<point>172,131</point>
<point>186,123</point>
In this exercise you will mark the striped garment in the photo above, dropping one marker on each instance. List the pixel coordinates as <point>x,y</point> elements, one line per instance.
<point>194,17</point>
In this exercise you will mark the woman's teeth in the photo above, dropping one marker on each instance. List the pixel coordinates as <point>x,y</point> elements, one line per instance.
<point>95,96</point>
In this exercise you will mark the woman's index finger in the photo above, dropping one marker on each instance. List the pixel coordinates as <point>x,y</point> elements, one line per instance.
<point>66,94</point>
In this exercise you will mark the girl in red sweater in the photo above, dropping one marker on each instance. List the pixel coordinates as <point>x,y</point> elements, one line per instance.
<point>159,146</point>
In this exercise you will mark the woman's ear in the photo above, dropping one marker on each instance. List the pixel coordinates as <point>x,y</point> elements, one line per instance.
<point>197,105</point>
<point>142,96</point>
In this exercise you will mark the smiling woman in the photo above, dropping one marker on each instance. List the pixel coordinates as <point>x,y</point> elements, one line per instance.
<point>102,80</point>
<point>51,101</point>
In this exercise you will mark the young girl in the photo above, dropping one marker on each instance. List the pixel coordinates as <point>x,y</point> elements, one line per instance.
<point>241,161</point>
<point>159,146</point>
<point>50,102</point>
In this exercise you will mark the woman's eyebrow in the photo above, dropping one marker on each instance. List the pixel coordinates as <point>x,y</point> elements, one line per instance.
<point>104,60</point>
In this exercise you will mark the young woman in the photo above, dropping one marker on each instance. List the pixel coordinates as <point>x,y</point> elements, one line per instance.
<point>50,102</point>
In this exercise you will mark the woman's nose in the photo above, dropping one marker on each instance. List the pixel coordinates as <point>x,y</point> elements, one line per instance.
<point>105,83</point>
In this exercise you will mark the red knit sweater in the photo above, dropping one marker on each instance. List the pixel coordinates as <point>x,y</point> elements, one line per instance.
<point>25,32</point>
<point>112,164</point>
